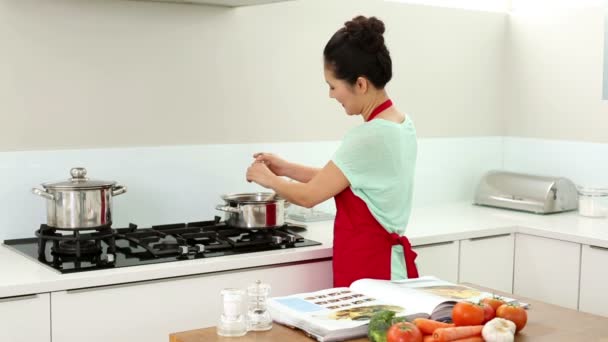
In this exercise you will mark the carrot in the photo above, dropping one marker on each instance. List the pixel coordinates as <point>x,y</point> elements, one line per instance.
<point>428,338</point>
<point>428,326</point>
<point>470,339</point>
<point>454,333</point>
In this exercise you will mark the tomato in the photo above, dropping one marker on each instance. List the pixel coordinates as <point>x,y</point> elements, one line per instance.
<point>403,332</point>
<point>467,313</point>
<point>513,313</point>
<point>488,312</point>
<point>494,302</point>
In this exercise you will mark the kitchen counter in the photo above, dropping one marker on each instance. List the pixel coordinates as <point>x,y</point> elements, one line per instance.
<point>21,275</point>
<point>546,322</point>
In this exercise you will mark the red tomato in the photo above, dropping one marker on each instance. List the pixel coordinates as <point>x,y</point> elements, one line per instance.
<point>488,312</point>
<point>494,302</point>
<point>403,332</point>
<point>467,313</point>
<point>513,313</point>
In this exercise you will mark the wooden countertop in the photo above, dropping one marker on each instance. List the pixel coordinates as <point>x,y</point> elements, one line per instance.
<point>546,322</point>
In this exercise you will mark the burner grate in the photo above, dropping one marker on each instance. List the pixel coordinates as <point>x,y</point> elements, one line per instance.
<point>76,246</point>
<point>77,250</point>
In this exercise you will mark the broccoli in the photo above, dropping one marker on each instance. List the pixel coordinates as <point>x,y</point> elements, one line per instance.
<point>379,324</point>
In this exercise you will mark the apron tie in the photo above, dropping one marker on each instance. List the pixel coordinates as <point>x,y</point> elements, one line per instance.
<point>410,255</point>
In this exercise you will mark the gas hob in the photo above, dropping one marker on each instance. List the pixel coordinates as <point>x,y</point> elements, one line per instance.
<point>79,250</point>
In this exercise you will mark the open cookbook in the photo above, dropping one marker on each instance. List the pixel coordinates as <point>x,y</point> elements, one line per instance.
<point>344,312</point>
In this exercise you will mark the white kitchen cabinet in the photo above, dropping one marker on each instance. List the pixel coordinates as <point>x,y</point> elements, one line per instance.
<point>488,261</point>
<point>593,297</point>
<point>547,270</point>
<point>439,260</point>
<point>25,318</point>
<point>150,311</point>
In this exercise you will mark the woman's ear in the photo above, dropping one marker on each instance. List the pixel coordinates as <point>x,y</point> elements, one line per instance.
<point>361,85</point>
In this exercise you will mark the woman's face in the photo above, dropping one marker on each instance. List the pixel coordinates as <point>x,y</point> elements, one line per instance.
<point>343,93</point>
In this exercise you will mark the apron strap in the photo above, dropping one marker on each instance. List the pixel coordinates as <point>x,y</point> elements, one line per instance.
<point>408,252</point>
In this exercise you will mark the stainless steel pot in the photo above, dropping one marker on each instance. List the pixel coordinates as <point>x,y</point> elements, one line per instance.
<point>259,210</point>
<point>79,202</point>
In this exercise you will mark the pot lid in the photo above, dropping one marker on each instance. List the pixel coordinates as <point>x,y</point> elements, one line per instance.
<point>79,181</point>
<point>253,197</point>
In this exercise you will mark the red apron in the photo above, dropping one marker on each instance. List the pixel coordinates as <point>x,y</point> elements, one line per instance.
<point>362,247</point>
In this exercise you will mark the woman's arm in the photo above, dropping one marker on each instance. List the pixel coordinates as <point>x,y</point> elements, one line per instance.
<point>326,183</point>
<point>301,173</point>
<point>281,167</point>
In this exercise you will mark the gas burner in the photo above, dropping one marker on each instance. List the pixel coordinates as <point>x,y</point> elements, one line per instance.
<point>72,247</point>
<point>75,243</point>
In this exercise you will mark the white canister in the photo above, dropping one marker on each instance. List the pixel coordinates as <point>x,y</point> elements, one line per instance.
<point>592,202</point>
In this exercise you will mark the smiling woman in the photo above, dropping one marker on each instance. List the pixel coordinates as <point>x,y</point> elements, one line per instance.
<point>371,175</point>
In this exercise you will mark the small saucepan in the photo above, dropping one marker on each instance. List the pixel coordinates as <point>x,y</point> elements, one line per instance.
<point>257,210</point>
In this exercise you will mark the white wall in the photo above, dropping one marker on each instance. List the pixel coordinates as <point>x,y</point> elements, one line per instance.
<point>92,83</point>
<point>582,162</point>
<point>554,73</point>
<point>175,184</point>
<point>555,118</point>
<point>112,73</point>
<point>171,100</point>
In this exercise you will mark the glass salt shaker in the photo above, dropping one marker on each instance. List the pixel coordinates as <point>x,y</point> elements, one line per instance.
<point>232,321</point>
<point>258,317</point>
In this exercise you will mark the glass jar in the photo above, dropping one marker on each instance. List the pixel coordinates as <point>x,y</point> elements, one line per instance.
<point>592,202</point>
<point>232,321</point>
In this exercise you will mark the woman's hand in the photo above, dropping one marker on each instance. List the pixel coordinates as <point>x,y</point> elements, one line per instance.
<point>259,173</point>
<point>276,164</point>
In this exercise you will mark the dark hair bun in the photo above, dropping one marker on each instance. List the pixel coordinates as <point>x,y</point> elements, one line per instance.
<point>365,33</point>
<point>358,49</point>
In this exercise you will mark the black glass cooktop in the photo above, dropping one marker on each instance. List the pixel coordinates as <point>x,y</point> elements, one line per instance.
<point>84,250</point>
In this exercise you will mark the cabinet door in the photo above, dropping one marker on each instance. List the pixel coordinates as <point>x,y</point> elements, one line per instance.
<point>488,261</point>
<point>439,260</point>
<point>593,297</point>
<point>547,270</point>
<point>150,311</point>
<point>25,318</point>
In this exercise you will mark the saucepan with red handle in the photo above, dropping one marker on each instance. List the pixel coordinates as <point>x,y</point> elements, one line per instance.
<point>255,210</point>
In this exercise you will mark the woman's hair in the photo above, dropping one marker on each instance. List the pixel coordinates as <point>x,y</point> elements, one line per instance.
<point>358,49</point>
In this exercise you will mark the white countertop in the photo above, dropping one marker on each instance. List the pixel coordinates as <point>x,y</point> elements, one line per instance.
<point>20,275</point>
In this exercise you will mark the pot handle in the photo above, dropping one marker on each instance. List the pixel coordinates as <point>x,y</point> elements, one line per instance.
<point>43,193</point>
<point>227,209</point>
<point>119,190</point>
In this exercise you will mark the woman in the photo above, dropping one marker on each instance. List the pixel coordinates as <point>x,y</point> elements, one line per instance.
<point>371,175</point>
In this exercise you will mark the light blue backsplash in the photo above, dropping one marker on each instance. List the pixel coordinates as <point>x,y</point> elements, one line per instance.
<point>183,183</point>
<point>582,162</point>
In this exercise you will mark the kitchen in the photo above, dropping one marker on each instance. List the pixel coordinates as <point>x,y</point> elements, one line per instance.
<point>486,91</point>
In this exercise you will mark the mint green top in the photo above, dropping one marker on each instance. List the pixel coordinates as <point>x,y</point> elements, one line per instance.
<point>378,158</point>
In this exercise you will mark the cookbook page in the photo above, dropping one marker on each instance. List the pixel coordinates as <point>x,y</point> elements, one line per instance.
<point>404,294</point>
<point>448,291</point>
<point>328,310</point>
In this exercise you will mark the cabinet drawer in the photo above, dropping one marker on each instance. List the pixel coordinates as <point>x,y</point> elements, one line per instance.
<point>150,311</point>
<point>439,260</point>
<point>488,261</point>
<point>593,298</point>
<point>25,318</point>
<point>547,270</point>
